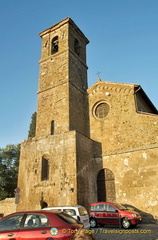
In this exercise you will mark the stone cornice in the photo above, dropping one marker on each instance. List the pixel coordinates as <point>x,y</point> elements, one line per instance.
<point>111,87</point>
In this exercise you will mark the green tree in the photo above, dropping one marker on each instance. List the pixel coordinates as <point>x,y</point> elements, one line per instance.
<point>32,130</point>
<point>9,163</point>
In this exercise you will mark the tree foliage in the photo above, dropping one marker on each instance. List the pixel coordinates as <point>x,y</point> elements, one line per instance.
<point>32,130</point>
<point>9,163</point>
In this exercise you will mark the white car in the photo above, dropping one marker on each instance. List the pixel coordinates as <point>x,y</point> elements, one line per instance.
<point>77,211</point>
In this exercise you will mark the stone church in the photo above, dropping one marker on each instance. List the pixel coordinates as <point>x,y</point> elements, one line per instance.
<point>91,144</point>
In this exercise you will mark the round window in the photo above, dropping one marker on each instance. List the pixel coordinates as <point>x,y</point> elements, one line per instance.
<point>102,110</point>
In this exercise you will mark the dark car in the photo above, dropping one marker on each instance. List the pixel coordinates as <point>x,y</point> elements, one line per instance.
<point>104,213</point>
<point>39,225</point>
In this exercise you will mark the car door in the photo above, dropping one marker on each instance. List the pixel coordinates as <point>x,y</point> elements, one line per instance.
<point>99,211</point>
<point>113,216</point>
<point>35,226</point>
<point>9,227</point>
<point>8,235</point>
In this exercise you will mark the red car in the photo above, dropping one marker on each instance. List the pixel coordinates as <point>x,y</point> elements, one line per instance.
<point>105,213</point>
<point>38,225</point>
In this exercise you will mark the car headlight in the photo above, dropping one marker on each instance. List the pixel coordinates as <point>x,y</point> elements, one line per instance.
<point>133,215</point>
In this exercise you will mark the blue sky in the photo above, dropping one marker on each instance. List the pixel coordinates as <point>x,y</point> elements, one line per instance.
<point>123,46</point>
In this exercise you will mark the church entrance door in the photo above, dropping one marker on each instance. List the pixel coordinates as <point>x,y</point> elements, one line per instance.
<point>106,185</point>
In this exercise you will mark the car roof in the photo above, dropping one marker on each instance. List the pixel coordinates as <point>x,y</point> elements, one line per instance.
<point>76,206</point>
<point>35,211</point>
<point>68,206</point>
<point>101,203</point>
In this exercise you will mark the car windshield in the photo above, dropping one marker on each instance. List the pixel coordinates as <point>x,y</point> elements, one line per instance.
<point>120,206</point>
<point>82,211</point>
<point>67,218</point>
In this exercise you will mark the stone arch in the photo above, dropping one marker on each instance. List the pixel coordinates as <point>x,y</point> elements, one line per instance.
<point>106,185</point>
<point>54,47</point>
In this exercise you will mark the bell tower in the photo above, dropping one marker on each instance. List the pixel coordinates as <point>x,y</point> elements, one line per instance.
<point>62,104</point>
<point>52,163</point>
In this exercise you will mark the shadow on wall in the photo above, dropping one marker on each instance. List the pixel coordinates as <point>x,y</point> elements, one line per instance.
<point>106,185</point>
<point>87,149</point>
<point>146,217</point>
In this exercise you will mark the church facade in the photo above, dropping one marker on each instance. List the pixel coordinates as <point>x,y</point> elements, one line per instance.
<point>91,144</point>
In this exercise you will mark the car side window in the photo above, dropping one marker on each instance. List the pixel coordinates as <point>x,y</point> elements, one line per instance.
<point>71,212</point>
<point>110,208</point>
<point>99,207</point>
<point>92,208</point>
<point>36,221</point>
<point>104,207</point>
<point>82,211</point>
<point>11,222</point>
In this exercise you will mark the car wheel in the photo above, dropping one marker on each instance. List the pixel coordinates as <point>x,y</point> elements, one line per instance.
<point>126,223</point>
<point>93,222</point>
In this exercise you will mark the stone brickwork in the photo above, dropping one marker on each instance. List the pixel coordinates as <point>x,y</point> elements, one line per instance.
<point>7,206</point>
<point>123,128</point>
<point>62,74</point>
<point>129,141</point>
<point>96,144</point>
<point>60,150</point>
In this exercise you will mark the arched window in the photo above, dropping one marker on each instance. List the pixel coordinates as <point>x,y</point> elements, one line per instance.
<point>54,47</point>
<point>76,47</point>
<point>45,169</point>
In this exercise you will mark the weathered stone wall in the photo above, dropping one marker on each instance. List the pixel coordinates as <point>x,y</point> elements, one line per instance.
<point>86,170</point>
<point>7,206</point>
<point>60,150</point>
<point>129,145</point>
<point>77,62</point>
<point>78,112</point>
<point>53,93</point>
<point>123,128</point>
<point>135,175</point>
<point>53,105</point>
<point>61,75</point>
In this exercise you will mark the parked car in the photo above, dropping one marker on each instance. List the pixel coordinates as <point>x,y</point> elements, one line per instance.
<point>39,225</point>
<point>105,213</point>
<point>77,211</point>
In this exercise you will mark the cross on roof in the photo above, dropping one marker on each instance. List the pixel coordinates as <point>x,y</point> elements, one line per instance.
<point>98,73</point>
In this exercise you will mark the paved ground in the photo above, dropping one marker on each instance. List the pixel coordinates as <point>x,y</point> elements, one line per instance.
<point>141,232</point>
